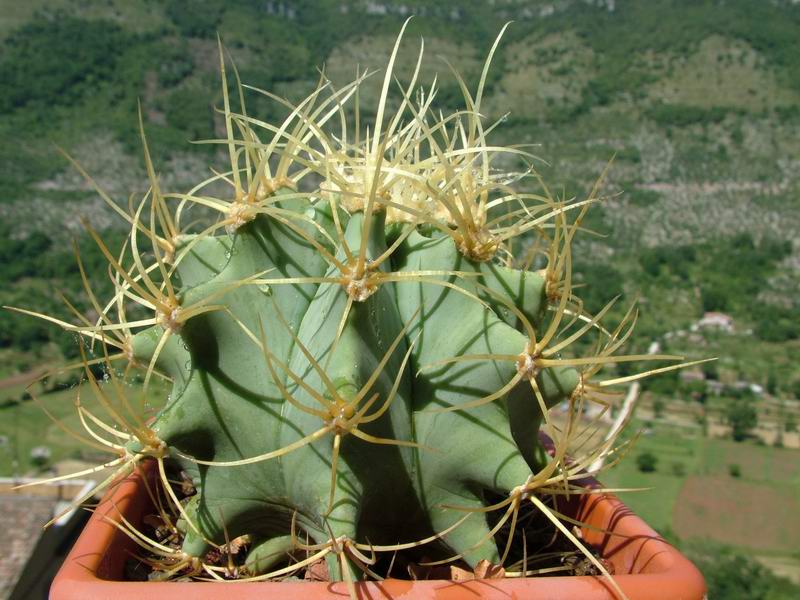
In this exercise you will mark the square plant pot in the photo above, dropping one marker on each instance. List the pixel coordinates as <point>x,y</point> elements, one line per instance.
<point>644,565</point>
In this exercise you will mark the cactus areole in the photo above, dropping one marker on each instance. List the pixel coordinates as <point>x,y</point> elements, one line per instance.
<point>357,356</point>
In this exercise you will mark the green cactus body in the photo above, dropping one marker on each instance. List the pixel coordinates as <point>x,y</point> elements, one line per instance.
<point>228,404</point>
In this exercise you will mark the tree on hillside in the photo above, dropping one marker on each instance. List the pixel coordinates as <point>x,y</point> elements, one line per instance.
<point>646,462</point>
<point>742,418</point>
<point>796,389</point>
<point>733,575</point>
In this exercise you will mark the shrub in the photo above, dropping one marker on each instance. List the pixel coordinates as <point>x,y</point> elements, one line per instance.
<point>742,417</point>
<point>681,115</point>
<point>642,197</point>
<point>658,407</point>
<point>195,18</point>
<point>646,461</point>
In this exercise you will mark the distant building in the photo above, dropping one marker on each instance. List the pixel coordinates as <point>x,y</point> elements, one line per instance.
<point>716,320</point>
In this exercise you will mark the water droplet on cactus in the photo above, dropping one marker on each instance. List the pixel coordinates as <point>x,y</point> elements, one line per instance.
<point>311,213</point>
<point>265,289</point>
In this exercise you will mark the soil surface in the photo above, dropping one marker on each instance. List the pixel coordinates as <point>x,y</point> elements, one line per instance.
<point>536,541</point>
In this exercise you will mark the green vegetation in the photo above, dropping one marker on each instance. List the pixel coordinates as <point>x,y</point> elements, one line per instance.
<point>641,197</point>
<point>742,417</point>
<point>25,265</point>
<point>697,508</point>
<point>678,469</point>
<point>729,272</point>
<point>681,115</point>
<point>37,73</point>
<point>646,462</point>
<point>734,575</point>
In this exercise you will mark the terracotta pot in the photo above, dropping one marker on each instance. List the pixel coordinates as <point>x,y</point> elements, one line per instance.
<point>645,566</point>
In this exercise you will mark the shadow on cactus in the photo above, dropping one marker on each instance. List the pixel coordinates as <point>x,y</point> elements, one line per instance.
<point>358,364</point>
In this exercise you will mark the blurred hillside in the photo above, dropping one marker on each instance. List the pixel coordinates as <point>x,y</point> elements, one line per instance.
<point>697,101</point>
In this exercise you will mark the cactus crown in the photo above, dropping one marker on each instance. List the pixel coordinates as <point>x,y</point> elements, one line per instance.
<point>357,358</point>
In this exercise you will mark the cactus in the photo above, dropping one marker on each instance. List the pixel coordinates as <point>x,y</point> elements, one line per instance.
<point>356,356</point>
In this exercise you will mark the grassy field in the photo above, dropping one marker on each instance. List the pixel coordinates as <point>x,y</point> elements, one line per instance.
<point>693,495</point>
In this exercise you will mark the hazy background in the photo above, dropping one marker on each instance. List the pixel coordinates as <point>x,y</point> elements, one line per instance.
<point>699,101</point>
